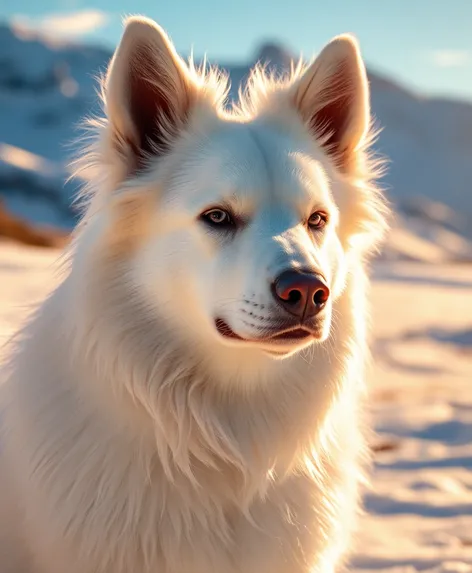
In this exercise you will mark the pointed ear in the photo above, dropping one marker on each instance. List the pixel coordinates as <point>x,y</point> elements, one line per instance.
<point>332,97</point>
<point>148,93</point>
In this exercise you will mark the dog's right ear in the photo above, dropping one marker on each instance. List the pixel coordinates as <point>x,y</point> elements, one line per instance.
<point>148,94</point>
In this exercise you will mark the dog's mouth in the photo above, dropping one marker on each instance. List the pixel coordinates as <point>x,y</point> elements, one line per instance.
<point>293,334</point>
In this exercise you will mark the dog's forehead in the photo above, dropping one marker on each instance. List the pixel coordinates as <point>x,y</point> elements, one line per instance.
<point>257,160</point>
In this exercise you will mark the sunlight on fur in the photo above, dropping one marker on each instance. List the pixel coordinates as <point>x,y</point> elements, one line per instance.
<point>190,398</point>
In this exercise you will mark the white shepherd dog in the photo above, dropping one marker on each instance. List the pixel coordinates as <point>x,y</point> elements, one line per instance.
<point>187,400</point>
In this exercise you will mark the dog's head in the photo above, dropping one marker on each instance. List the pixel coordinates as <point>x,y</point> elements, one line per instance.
<point>238,227</point>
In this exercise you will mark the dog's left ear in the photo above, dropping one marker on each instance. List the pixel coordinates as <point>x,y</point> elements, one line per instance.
<point>148,94</point>
<point>332,97</point>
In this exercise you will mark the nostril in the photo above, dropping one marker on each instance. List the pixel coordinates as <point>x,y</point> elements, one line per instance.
<point>294,296</point>
<point>321,296</point>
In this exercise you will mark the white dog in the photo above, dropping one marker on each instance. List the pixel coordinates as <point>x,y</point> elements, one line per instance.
<point>187,400</point>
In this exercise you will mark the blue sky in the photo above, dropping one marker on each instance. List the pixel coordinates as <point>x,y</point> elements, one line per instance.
<point>427,44</point>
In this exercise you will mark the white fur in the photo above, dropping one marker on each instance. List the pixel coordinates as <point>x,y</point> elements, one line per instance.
<point>136,439</point>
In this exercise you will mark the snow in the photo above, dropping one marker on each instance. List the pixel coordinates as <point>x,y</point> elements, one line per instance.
<point>46,89</point>
<point>419,513</point>
<point>419,507</point>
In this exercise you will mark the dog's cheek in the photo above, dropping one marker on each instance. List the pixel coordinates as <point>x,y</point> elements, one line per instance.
<point>190,268</point>
<point>335,260</point>
<point>130,223</point>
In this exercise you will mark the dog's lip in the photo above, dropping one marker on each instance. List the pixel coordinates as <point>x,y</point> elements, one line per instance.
<point>225,330</point>
<point>293,333</point>
<point>297,333</point>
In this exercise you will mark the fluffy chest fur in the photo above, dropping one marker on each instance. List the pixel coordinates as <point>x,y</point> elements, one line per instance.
<point>113,505</point>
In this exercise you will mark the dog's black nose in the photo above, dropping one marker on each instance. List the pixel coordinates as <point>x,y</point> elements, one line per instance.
<point>302,294</point>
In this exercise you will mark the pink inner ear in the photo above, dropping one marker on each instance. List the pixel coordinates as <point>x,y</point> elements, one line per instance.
<point>153,105</point>
<point>331,122</point>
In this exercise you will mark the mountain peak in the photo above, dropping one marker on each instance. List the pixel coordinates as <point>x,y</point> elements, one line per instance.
<point>274,54</point>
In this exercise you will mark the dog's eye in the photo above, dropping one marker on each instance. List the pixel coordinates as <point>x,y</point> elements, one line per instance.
<point>317,220</point>
<point>217,218</point>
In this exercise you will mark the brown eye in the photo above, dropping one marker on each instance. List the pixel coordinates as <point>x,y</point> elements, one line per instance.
<point>317,220</point>
<point>217,218</point>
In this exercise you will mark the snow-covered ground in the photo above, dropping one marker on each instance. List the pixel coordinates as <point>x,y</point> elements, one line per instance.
<point>419,512</point>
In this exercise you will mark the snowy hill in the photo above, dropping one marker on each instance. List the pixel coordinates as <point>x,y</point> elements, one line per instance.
<point>47,86</point>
